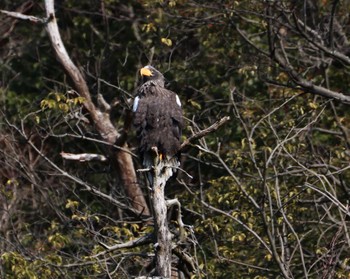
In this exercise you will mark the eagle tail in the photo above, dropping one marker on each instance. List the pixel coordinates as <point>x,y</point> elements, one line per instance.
<point>162,166</point>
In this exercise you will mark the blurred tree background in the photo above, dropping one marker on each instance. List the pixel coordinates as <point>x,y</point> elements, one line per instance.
<point>265,196</point>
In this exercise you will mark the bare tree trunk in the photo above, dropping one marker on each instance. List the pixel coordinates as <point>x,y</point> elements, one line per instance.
<point>163,236</point>
<point>123,160</point>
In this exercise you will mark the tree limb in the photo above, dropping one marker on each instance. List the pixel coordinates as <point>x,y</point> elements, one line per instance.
<point>83,157</point>
<point>205,132</point>
<point>146,239</point>
<point>303,84</point>
<point>77,180</point>
<point>308,86</point>
<point>330,52</point>
<point>21,16</point>
<point>123,160</point>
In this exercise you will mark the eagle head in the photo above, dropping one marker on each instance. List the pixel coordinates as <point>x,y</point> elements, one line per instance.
<point>149,73</point>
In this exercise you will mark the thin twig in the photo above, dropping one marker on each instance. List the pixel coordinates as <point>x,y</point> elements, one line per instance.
<point>146,239</point>
<point>21,16</point>
<point>205,132</point>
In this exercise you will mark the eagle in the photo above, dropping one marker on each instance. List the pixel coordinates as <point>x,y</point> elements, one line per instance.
<point>158,121</point>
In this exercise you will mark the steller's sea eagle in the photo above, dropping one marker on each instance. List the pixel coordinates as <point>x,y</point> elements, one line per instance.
<point>158,121</point>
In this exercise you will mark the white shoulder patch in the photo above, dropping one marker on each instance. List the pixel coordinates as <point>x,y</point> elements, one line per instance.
<point>136,103</point>
<point>178,100</point>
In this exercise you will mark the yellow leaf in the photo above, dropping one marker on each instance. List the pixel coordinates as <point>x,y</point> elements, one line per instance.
<point>75,217</point>
<point>72,204</point>
<point>149,27</point>
<point>321,251</point>
<point>64,107</point>
<point>243,143</point>
<point>241,237</point>
<point>268,257</point>
<point>312,105</point>
<point>195,104</point>
<point>235,214</point>
<point>167,42</point>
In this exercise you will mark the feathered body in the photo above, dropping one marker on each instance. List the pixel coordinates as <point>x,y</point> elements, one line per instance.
<point>157,119</point>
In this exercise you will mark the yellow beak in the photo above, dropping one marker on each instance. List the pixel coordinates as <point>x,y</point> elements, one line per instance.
<point>145,72</point>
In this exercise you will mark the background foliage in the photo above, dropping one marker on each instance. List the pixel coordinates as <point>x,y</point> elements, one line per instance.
<point>268,197</point>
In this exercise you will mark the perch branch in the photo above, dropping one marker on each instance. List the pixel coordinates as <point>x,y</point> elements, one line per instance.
<point>163,237</point>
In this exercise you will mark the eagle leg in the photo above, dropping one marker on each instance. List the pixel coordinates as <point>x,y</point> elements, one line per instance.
<point>159,155</point>
<point>156,158</point>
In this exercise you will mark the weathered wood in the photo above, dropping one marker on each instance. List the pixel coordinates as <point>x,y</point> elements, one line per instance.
<point>161,174</point>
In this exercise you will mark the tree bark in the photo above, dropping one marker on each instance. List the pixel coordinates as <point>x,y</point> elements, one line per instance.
<point>163,236</point>
<point>122,160</point>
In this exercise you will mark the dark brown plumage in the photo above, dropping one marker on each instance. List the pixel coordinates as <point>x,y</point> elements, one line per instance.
<point>157,118</point>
